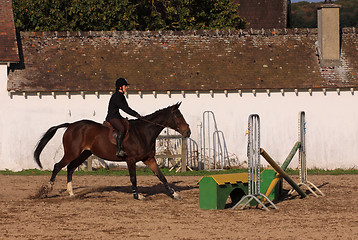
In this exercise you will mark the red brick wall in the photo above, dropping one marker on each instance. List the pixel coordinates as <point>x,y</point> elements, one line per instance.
<point>264,13</point>
<point>8,45</point>
<point>193,60</point>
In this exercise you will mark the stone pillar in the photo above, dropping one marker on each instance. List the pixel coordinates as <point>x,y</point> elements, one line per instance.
<point>328,35</point>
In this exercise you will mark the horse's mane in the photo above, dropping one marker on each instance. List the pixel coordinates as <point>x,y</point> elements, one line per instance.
<point>159,112</point>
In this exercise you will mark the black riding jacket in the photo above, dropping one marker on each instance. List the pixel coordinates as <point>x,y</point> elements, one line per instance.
<point>118,101</point>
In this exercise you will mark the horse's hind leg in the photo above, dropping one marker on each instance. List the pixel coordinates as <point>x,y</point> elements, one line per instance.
<point>152,164</point>
<point>44,190</point>
<point>71,153</point>
<point>66,159</point>
<point>72,167</point>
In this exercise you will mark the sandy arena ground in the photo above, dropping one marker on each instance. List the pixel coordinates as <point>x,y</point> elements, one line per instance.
<point>104,209</point>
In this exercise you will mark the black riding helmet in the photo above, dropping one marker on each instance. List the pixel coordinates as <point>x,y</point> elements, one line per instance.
<point>121,82</point>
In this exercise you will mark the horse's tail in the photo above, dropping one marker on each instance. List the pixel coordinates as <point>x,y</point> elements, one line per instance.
<point>45,139</point>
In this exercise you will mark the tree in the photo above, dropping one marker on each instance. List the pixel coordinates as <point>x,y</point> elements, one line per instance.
<point>97,15</point>
<point>348,13</point>
<point>304,14</point>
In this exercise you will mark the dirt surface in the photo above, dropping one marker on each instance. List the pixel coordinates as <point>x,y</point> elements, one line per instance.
<point>104,209</point>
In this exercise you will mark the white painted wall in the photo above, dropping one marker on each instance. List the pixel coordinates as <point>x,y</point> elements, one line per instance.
<point>332,132</point>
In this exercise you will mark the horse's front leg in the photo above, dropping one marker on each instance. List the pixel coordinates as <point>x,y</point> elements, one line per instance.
<point>152,164</point>
<point>133,178</point>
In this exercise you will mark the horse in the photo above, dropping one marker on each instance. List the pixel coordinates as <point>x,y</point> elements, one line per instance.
<point>86,137</point>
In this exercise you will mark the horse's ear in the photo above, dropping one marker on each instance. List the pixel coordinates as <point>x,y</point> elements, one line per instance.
<point>177,105</point>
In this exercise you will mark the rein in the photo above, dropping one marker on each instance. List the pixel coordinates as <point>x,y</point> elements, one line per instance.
<point>158,124</point>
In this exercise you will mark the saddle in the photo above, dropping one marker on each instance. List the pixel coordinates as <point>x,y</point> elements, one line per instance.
<point>113,133</point>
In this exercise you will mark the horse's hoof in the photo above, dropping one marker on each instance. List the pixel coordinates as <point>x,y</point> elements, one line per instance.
<point>44,190</point>
<point>141,197</point>
<point>176,196</point>
<point>138,196</point>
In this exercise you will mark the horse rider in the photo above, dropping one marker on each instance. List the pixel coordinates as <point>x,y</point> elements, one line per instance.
<point>118,101</point>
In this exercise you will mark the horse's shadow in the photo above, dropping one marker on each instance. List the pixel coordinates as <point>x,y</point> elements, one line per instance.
<point>95,192</point>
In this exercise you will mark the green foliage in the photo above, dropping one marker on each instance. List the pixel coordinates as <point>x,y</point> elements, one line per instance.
<point>304,14</point>
<point>348,13</point>
<point>73,15</point>
<point>203,14</point>
<point>120,15</point>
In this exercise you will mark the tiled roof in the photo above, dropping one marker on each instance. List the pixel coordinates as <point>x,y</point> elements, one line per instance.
<point>196,60</point>
<point>8,45</point>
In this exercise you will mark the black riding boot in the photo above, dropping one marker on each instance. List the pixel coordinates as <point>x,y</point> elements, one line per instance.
<point>119,140</point>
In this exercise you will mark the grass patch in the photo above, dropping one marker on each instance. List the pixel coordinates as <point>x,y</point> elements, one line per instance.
<point>166,172</point>
<point>120,172</point>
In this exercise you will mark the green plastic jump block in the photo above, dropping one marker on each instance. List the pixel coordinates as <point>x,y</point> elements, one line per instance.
<point>214,190</point>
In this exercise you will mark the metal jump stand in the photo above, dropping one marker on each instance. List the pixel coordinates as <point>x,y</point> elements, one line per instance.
<point>253,154</point>
<point>214,152</point>
<point>302,157</point>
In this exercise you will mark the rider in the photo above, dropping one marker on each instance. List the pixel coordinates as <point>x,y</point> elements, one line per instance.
<point>118,101</point>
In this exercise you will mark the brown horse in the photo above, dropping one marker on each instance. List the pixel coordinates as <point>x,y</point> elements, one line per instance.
<point>84,138</point>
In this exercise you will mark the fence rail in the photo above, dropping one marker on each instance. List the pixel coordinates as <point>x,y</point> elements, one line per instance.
<point>178,152</point>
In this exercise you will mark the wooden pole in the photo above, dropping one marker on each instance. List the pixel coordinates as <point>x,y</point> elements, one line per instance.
<point>183,154</point>
<point>89,163</point>
<point>282,173</point>
<point>283,167</point>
